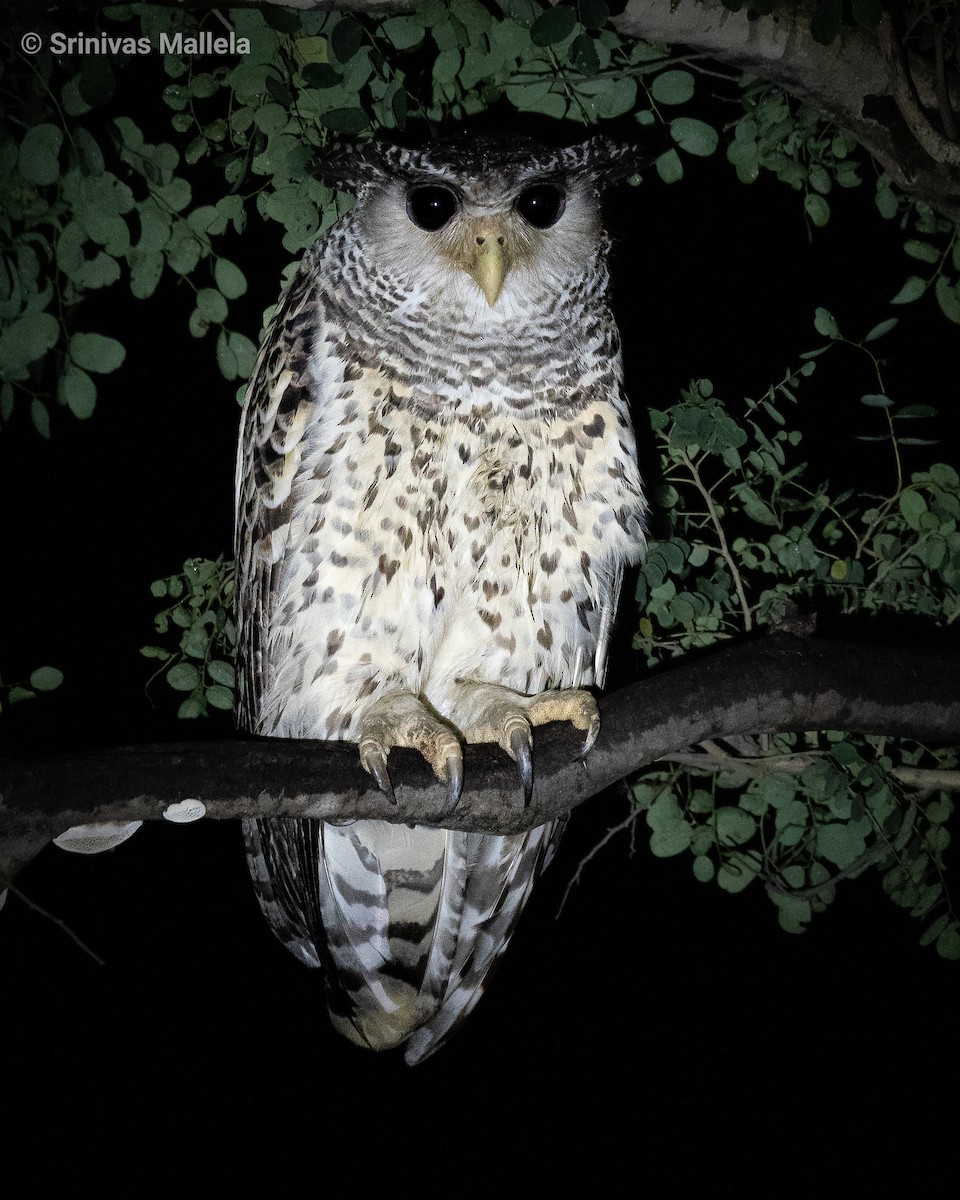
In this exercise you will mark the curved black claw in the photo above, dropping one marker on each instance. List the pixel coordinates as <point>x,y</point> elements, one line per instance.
<point>377,766</point>
<point>521,748</point>
<point>592,734</point>
<point>454,768</point>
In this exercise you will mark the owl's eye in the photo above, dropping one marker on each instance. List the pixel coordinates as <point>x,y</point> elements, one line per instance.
<point>430,206</point>
<point>541,205</point>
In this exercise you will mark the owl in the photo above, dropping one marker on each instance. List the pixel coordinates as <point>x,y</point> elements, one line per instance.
<point>437,495</point>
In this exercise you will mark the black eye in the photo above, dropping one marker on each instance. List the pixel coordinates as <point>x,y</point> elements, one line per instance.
<point>430,206</point>
<point>541,205</point>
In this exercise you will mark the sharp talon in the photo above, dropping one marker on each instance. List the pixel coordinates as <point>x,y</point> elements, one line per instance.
<point>377,766</point>
<point>455,784</point>
<point>592,734</point>
<point>520,748</point>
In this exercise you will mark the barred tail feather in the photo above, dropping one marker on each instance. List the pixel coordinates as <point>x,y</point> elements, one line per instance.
<point>499,887</point>
<point>407,922</point>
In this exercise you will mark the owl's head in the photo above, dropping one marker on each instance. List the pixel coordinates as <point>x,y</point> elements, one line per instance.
<point>483,208</point>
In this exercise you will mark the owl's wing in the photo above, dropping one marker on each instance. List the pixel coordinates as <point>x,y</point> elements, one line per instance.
<point>282,401</point>
<point>281,404</point>
<point>610,595</point>
<point>282,859</point>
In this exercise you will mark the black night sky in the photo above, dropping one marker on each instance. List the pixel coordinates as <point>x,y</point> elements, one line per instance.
<point>658,1027</point>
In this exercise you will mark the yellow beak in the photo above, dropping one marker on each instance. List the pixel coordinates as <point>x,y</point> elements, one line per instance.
<point>487,258</point>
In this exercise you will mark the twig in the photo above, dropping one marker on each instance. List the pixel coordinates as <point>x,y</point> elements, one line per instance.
<point>928,778</point>
<point>56,920</point>
<point>610,834</point>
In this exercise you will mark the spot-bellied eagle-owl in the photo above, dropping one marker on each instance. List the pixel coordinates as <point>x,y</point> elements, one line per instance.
<point>437,494</point>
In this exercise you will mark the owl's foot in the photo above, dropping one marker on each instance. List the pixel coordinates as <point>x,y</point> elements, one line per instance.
<point>400,719</point>
<point>508,718</point>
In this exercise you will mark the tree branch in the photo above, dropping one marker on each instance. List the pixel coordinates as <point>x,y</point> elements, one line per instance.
<point>770,684</point>
<point>862,81</point>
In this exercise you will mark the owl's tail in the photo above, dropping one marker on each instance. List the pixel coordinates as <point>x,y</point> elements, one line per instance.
<point>407,922</point>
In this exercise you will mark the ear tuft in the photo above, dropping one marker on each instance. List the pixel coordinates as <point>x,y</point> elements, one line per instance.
<point>356,166</point>
<point>604,161</point>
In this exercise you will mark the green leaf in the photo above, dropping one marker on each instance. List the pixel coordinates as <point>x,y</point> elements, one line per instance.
<point>921,250</point>
<point>694,136</point>
<point>553,26</point>
<point>97,353</point>
<point>279,91</point>
<point>321,75</point>
<point>226,359</point>
<point>145,273</point>
<point>40,417</point>
<point>184,677</point>
<point>39,160</point>
<point>738,871</point>
<point>583,55</point>
<point>948,297</point>
<point>611,97</point>
<point>876,400</point>
<point>220,697</point>
<point>703,868</point>
<point>221,672</point>
<point>78,391</point>
<point>403,32</point>
<point>878,331</point>
<point>913,412</point>
<point>840,843</point>
<point>666,843</point>
<point>913,507</point>
<point>669,167</point>
<point>672,87</point>
<point>346,38</point>
<point>230,279</point>
<point>912,290</point>
<point>447,65</point>
<point>817,209</point>
<point>825,323</point>
<point>26,340</point>
<point>885,200</point>
<point>734,826</point>
<point>245,353</point>
<point>46,679</point>
<point>270,118</point>
<point>948,943</point>
<point>524,12</point>
<point>345,120</point>
<point>793,914</point>
<point>97,272</point>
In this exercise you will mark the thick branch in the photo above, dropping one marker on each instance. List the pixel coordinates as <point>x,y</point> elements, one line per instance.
<point>771,684</point>
<point>861,81</point>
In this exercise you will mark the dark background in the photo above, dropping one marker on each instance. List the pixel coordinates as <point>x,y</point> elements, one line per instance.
<point>659,1028</point>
